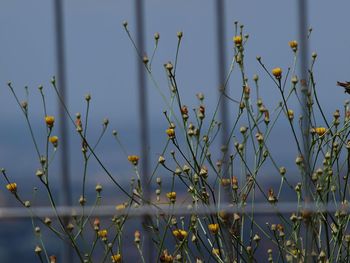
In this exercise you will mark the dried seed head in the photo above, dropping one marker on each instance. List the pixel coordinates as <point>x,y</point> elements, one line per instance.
<point>156,36</point>
<point>37,250</point>
<point>169,66</point>
<point>186,169</point>
<point>137,237</point>
<point>98,188</point>
<point>87,97</point>
<point>145,59</point>
<point>256,238</point>
<point>70,227</point>
<point>282,170</point>
<point>314,55</point>
<point>243,129</point>
<point>200,96</point>
<point>294,80</point>
<point>47,221</point>
<point>299,160</point>
<point>161,159</point>
<point>82,200</point>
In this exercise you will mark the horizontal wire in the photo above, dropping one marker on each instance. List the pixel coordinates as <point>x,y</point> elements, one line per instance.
<point>166,209</point>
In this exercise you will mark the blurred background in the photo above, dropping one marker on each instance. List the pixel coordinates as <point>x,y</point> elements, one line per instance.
<point>100,60</point>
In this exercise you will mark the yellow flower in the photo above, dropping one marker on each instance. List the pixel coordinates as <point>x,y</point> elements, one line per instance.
<point>54,140</point>
<point>293,45</point>
<point>215,251</point>
<point>214,228</point>
<point>12,187</point>
<point>166,257</point>
<point>320,130</point>
<point>171,196</point>
<point>237,40</point>
<point>116,258</point>
<point>171,133</point>
<point>134,159</point>
<point>49,121</point>
<point>290,114</point>
<point>277,72</point>
<point>180,234</point>
<point>102,233</point>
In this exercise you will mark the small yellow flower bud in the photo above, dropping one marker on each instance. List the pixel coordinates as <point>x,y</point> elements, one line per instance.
<point>214,228</point>
<point>171,133</point>
<point>116,258</point>
<point>50,120</point>
<point>134,159</point>
<point>171,196</point>
<point>180,234</point>
<point>215,251</point>
<point>277,73</point>
<point>293,45</point>
<point>102,233</point>
<point>320,130</point>
<point>54,140</point>
<point>12,187</point>
<point>237,40</point>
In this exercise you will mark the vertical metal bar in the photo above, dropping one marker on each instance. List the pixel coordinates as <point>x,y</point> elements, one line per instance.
<point>66,197</point>
<point>221,73</point>
<point>304,57</point>
<point>144,124</point>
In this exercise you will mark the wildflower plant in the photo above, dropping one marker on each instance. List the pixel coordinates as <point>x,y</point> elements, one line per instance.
<point>209,211</point>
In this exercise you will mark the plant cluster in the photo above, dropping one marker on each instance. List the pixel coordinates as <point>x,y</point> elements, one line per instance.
<point>208,210</point>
